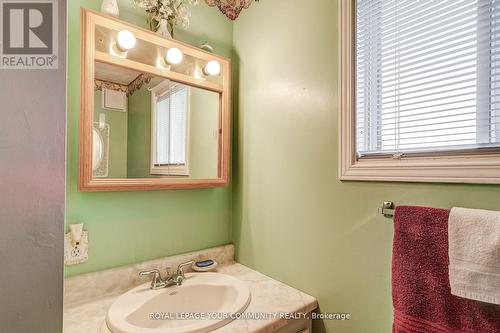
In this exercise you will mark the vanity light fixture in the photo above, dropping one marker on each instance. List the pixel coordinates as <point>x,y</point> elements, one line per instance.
<point>174,56</point>
<point>125,40</point>
<point>212,68</point>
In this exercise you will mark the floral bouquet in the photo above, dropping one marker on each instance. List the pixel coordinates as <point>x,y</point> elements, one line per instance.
<point>166,13</point>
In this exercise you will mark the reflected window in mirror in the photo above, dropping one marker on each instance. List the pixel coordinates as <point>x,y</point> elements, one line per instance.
<point>170,123</point>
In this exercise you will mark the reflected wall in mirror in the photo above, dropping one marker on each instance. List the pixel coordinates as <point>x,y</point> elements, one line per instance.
<point>157,127</point>
<point>155,112</point>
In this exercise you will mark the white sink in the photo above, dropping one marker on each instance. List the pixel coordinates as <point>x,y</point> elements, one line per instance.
<point>180,308</point>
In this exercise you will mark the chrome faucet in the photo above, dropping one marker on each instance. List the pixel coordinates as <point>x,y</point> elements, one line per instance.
<point>171,279</point>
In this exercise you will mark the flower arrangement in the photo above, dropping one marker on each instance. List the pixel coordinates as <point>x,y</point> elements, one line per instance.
<point>170,12</point>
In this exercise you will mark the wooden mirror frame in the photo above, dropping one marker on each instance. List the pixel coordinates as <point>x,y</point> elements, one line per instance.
<point>86,181</point>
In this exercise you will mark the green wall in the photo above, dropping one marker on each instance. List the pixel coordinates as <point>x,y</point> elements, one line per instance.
<point>139,138</point>
<point>204,121</point>
<point>292,218</point>
<point>117,121</point>
<point>126,227</point>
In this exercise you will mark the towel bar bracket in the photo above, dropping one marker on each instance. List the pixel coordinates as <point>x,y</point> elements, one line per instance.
<point>387,209</point>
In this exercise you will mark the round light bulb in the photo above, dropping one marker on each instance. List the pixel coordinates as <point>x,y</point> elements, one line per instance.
<point>212,68</point>
<point>126,40</point>
<point>174,56</point>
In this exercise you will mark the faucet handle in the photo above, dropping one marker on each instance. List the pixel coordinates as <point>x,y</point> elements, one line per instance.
<point>155,271</point>
<point>167,269</point>
<point>180,268</point>
<point>157,281</point>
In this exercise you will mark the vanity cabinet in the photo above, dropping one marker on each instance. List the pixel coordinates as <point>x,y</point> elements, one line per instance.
<point>297,326</point>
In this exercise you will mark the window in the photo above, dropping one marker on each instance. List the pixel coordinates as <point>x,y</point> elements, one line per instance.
<point>170,112</point>
<point>420,90</point>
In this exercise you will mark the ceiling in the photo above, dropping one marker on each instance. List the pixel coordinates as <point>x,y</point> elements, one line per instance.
<point>115,74</point>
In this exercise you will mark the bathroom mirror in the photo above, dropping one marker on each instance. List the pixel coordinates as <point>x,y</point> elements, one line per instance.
<point>155,112</point>
<point>157,127</point>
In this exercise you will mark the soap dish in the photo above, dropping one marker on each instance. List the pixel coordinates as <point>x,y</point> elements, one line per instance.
<point>204,266</point>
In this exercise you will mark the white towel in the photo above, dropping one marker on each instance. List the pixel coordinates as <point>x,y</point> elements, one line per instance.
<point>474,251</point>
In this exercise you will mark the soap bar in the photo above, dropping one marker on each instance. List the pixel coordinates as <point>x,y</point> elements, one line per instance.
<point>205,265</point>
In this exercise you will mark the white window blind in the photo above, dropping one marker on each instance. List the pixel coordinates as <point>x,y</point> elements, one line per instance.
<point>171,126</point>
<point>427,75</point>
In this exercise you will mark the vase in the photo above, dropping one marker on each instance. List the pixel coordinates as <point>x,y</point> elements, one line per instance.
<point>110,7</point>
<point>163,29</point>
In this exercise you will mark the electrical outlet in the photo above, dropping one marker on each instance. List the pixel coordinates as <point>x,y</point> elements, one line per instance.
<point>76,252</point>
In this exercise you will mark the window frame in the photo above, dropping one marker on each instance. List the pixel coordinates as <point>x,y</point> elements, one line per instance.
<point>479,166</point>
<point>168,169</point>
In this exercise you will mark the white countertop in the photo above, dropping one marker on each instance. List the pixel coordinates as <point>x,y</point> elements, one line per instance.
<point>267,296</point>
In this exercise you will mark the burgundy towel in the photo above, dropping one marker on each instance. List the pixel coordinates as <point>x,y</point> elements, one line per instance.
<point>420,286</point>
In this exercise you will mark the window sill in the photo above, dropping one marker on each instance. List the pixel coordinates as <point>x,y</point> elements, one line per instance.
<point>475,169</point>
<point>170,170</point>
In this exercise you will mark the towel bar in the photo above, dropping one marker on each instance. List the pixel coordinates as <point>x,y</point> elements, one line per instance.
<point>387,209</point>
